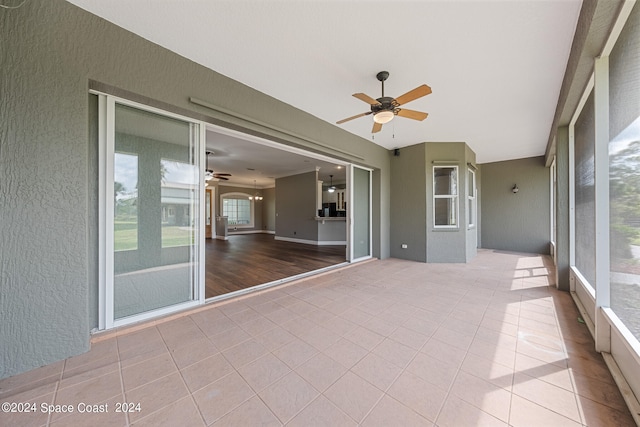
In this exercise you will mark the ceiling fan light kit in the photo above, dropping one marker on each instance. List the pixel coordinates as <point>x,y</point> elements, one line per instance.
<point>383,117</point>
<point>385,108</point>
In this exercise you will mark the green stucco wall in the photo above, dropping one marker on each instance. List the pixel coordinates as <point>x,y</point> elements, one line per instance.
<point>409,203</point>
<point>516,222</point>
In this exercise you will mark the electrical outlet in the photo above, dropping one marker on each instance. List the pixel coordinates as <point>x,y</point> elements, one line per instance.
<point>404,246</point>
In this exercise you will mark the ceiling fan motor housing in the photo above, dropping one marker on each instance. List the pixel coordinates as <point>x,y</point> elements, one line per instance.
<point>386,104</point>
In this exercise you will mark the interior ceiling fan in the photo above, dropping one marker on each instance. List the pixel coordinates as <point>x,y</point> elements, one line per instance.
<point>209,174</point>
<point>385,108</point>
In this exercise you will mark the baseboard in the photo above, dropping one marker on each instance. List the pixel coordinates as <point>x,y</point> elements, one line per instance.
<point>312,242</point>
<point>231,233</point>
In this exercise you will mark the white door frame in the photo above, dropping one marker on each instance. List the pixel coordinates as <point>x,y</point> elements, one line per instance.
<point>106,144</point>
<point>350,214</point>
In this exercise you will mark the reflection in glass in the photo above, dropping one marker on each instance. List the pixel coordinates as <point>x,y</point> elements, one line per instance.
<point>156,209</point>
<point>624,229</point>
<point>125,186</point>
<point>177,194</point>
<point>361,213</point>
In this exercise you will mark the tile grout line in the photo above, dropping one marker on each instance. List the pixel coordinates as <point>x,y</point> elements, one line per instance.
<point>180,373</point>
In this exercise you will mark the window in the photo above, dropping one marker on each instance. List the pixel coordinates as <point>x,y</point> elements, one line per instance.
<point>471,198</point>
<point>238,209</point>
<point>585,193</point>
<point>624,175</point>
<point>445,196</point>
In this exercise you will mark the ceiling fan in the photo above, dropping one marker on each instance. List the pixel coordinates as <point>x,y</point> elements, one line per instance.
<point>385,108</point>
<point>209,174</point>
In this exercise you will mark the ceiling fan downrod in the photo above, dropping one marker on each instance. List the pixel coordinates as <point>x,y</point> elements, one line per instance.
<point>382,76</point>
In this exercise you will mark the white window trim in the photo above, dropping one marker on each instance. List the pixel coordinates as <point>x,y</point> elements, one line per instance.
<point>472,197</point>
<point>240,195</point>
<point>446,196</point>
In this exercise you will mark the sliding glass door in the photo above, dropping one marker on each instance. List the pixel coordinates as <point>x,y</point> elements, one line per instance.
<point>153,215</point>
<point>360,213</point>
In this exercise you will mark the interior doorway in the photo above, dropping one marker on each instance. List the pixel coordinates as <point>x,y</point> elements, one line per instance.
<point>255,250</point>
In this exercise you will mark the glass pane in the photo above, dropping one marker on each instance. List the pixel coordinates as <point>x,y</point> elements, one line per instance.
<point>361,215</point>
<point>177,224</point>
<point>125,186</point>
<point>446,213</point>
<point>154,228</point>
<point>585,192</point>
<point>624,175</point>
<point>472,213</point>
<point>445,181</point>
<point>472,184</point>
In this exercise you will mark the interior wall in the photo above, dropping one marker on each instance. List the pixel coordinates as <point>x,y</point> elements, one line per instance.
<point>269,209</point>
<point>516,222</point>
<point>52,53</point>
<point>296,207</point>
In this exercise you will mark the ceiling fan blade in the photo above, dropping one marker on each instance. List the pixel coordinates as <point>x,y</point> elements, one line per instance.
<point>222,174</point>
<point>411,114</point>
<point>354,117</point>
<point>416,93</point>
<point>377,127</point>
<point>366,98</point>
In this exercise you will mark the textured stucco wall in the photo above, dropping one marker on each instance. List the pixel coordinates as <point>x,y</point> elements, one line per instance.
<point>447,245</point>
<point>43,193</point>
<point>51,54</point>
<point>412,204</point>
<point>409,202</point>
<point>516,222</point>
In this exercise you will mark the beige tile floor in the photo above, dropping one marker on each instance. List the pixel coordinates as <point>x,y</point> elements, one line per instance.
<point>384,343</point>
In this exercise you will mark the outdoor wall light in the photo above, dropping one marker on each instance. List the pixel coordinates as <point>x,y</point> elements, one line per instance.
<point>515,188</point>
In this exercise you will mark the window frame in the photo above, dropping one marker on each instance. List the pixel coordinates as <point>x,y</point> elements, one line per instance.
<point>472,210</point>
<point>449,196</point>
<point>242,196</point>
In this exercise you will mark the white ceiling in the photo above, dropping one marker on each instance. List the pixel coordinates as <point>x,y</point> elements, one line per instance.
<point>495,66</point>
<point>250,159</point>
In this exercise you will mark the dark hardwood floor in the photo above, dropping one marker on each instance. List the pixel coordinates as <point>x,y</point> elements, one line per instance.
<point>248,260</point>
